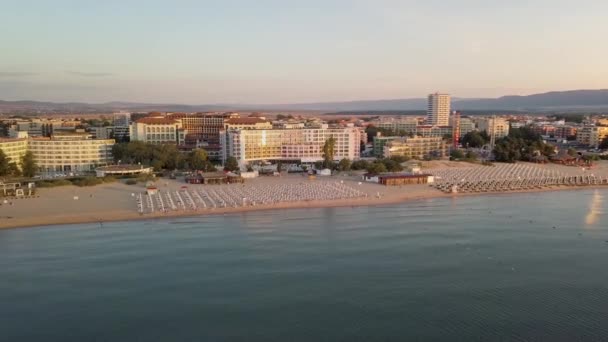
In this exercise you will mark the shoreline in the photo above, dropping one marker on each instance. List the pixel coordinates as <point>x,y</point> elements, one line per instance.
<point>124,215</point>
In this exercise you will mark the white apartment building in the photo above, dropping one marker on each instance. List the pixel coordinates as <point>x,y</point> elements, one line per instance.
<point>438,109</point>
<point>416,148</point>
<point>14,149</point>
<point>427,131</point>
<point>247,123</point>
<point>70,153</point>
<point>122,125</point>
<point>305,145</point>
<point>407,125</point>
<point>156,130</point>
<point>102,132</point>
<point>497,126</point>
<point>591,135</point>
<point>466,125</point>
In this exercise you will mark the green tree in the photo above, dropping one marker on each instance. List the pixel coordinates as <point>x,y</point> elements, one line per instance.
<point>604,143</point>
<point>198,159</point>
<point>571,152</point>
<point>376,167</point>
<point>231,164</point>
<point>359,165</point>
<point>390,165</point>
<point>13,169</point>
<point>456,154</point>
<point>470,155</point>
<point>371,132</point>
<point>167,156</point>
<point>400,159</point>
<point>329,151</point>
<point>4,164</point>
<point>28,164</point>
<point>344,164</point>
<point>475,139</point>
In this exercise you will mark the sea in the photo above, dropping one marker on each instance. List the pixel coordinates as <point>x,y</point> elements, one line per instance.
<point>509,267</point>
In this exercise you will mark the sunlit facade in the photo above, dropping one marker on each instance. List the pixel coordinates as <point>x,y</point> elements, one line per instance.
<point>417,148</point>
<point>305,145</point>
<point>61,154</point>
<point>438,110</point>
<point>14,149</point>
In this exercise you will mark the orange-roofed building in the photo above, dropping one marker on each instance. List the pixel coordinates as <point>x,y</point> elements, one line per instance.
<point>156,130</point>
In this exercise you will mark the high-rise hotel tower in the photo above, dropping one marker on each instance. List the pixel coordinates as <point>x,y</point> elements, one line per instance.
<point>438,110</point>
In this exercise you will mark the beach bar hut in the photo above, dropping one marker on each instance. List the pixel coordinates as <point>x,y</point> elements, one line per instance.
<point>404,179</point>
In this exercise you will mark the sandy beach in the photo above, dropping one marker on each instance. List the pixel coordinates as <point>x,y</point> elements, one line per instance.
<point>115,201</point>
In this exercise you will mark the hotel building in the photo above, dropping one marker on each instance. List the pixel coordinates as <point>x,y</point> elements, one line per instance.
<point>416,148</point>
<point>304,145</point>
<point>405,125</point>
<point>466,125</point>
<point>60,153</point>
<point>591,135</point>
<point>497,126</point>
<point>156,130</point>
<point>428,131</point>
<point>438,110</point>
<point>70,152</point>
<point>14,149</point>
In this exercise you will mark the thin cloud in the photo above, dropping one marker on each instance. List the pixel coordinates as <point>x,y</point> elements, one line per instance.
<point>16,73</point>
<point>89,74</point>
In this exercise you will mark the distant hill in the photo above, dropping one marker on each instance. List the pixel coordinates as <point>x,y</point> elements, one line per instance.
<point>558,100</point>
<point>555,100</point>
<point>574,100</point>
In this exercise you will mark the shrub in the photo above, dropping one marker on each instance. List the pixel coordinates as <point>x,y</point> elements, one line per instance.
<point>53,183</point>
<point>87,181</point>
<point>131,182</point>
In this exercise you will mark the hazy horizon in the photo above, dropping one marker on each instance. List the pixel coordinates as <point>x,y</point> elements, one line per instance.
<point>273,52</point>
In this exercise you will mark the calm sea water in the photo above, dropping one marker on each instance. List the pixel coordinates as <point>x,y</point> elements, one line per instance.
<point>486,268</point>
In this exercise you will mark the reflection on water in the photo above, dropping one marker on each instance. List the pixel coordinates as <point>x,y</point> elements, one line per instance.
<point>508,267</point>
<point>595,208</point>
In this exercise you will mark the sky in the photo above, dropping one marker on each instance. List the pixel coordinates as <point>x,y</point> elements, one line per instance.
<point>263,52</point>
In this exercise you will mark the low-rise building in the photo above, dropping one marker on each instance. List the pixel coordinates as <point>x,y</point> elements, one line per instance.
<point>466,125</point>
<point>591,135</point>
<point>401,125</point>
<point>379,143</point>
<point>497,126</point>
<point>428,131</point>
<point>417,148</point>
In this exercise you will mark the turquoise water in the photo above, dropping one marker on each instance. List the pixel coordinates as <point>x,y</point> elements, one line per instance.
<point>468,269</point>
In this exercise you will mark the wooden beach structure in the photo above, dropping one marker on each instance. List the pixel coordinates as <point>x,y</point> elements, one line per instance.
<point>214,178</point>
<point>392,179</point>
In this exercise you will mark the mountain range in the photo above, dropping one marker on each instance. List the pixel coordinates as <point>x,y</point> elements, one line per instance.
<point>573,100</point>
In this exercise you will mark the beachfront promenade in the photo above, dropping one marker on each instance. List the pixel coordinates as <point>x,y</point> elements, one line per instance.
<point>209,197</point>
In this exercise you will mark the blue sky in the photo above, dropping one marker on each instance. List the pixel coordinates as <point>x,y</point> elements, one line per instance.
<point>297,51</point>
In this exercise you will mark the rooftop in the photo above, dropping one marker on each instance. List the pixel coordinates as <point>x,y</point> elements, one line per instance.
<point>245,121</point>
<point>156,121</point>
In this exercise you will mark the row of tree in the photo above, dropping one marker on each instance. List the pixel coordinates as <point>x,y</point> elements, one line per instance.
<point>380,165</point>
<point>167,157</point>
<point>522,144</point>
<point>27,166</point>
